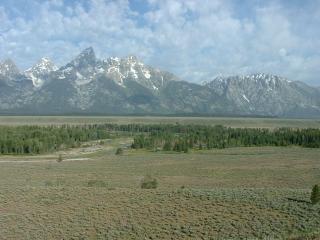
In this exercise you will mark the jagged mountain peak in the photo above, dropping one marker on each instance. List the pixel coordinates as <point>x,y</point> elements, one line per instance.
<point>81,69</point>
<point>45,60</point>
<point>261,80</point>
<point>39,72</point>
<point>266,77</point>
<point>113,59</point>
<point>255,77</point>
<point>86,68</point>
<point>8,62</point>
<point>133,69</point>
<point>265,94</point>
<point>8,68</point>
<point>87,52</point>
<point>132,58</point>
<point>86,58</point>
<point>128,60</point>
<point>43,65</point>
<point>127,85</point>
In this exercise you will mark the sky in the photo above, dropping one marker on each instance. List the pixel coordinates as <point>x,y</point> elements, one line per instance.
<point>195,39</point>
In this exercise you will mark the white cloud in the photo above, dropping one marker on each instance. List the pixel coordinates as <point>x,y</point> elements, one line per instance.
<point>195,41</point>
<point>282,52</point>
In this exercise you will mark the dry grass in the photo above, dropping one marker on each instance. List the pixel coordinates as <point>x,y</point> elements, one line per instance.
<point>226,121</point>
<point>62,212</point>
<point>236,193</point>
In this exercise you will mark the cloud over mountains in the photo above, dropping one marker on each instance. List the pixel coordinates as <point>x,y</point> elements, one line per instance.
<point>194,39</point>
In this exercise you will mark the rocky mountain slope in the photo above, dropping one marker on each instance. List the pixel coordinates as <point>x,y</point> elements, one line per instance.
<point>265,94</point>
<point>88,85</point>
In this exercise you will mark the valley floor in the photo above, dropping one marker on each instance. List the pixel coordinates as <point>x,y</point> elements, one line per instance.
<point>235,193</point>
<point>225,121</point>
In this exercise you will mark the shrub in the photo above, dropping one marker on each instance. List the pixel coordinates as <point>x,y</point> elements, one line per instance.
<point>315,194</point>
<point>57,183</point>
<point>119,151</point>
<point>96,183</point>
<point>48,183</point>
<point>60,158</point>
<point>149,182</point>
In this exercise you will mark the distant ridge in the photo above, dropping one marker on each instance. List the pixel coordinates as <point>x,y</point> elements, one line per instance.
<point>126,86</point>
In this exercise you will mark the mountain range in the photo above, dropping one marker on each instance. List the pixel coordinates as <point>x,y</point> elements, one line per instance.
<point>114,86</point>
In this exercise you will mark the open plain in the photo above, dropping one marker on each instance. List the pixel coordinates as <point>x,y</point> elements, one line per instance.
<point>231,193</point>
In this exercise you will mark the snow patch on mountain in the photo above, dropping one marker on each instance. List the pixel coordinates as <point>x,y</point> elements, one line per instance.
<point>245,98</point>
<point>114,73</point>
<point>133,72</point>
<point>81,80</point>
<point>38,72</point>
<point>146,73</point>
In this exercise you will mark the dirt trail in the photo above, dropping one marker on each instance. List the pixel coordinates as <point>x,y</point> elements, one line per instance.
<point>44,161</point>
<point>72,154</point>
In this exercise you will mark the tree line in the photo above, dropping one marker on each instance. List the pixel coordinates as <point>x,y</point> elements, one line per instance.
<point>183,138</point>
<point>38,139</point>
<point>168,137</point>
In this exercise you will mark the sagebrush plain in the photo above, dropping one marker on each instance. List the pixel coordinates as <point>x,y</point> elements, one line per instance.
<point>231,193</point>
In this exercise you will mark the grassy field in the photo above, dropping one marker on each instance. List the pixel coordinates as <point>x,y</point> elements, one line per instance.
<point>236,193</point>
<point>232,122</point>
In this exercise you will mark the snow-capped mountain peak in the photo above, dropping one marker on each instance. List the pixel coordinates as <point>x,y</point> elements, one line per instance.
<point>262,93</point>
<point>127,85</point>
<point>86,58</point>
<point>130,68</point>
<point>45,65</point>
<point>269,80</point>
<point>38,72</point>
<point>132,59</point>
<point>86,69</point>
<point>81,69</point>
<point>8,68</point>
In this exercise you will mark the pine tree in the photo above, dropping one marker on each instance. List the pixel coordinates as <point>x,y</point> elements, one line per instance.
<point>167,146</point>
<point>315,194</point>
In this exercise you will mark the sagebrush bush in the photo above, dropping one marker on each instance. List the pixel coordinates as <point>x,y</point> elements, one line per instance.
<point>315,194</point>
<point>60,158</point>
<point>119,151</point>
<point>149,182</point>
<point>48,183</point>
<point>57,183</point>
<point>96,183</point>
